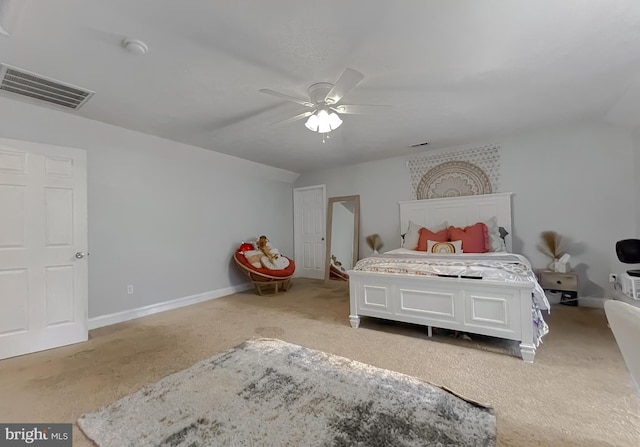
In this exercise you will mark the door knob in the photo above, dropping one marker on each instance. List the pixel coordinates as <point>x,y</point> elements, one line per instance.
<point>79,255</point>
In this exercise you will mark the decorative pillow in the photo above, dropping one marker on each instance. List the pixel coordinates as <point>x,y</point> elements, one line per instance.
<point>428,235</point>
<point>475,238</point>
<point>412,236</point>
<point>496,243</point>
<point>279,263</point>
<point>444,248</point>
<point>254,256</point>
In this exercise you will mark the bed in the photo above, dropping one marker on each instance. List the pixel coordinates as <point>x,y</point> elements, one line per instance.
<point>478,298</point>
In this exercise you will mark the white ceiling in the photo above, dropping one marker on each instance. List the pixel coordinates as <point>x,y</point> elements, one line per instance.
<point>454,72</point>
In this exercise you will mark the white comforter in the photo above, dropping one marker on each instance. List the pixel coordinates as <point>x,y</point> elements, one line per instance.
<point>495,266</point>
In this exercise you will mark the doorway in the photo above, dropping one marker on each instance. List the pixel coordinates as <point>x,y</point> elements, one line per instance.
<point>43,247</point>
<point>309,205</point>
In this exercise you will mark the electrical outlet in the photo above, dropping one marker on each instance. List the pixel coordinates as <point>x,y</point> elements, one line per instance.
<point>129,289</point>
<point>613,277</point>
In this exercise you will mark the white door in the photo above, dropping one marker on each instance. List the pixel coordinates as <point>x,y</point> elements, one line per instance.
<point>309,206</point>
<point>43,245</point>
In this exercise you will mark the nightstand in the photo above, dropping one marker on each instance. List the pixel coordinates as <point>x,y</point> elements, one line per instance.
<point>567,283</point>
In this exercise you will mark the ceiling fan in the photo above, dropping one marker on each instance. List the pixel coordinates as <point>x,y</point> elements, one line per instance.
<point>324,102</point>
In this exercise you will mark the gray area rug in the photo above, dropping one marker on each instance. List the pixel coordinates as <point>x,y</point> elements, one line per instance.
<point>270,393</point>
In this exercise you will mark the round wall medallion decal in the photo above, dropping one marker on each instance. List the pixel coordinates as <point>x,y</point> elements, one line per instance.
<point>453,179</point>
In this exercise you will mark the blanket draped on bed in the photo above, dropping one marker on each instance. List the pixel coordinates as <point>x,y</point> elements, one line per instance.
<point>497,266</point>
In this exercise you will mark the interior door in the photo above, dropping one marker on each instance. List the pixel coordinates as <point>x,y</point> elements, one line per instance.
<point>309,206</point>
<point>43,247</point>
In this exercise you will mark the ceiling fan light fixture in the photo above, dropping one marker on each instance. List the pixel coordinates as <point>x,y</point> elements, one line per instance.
<point>324,103</point>
<point>312,123</point>
<point>334,120</point>
<point>324,128</point>
<point>323,122</point>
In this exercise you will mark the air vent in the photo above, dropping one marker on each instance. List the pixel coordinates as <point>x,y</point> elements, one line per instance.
<point>419,144</point>
<point>35,86</point>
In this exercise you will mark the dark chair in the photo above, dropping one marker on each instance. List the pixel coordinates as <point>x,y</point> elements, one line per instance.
<point>628,251</point>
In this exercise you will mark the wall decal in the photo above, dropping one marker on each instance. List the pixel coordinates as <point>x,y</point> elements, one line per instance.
<point>463,172</point>
<point>453,179</point>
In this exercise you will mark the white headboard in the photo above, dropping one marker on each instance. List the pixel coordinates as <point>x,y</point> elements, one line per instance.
<point>458,211</point>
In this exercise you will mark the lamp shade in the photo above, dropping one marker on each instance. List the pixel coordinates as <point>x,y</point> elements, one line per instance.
<point>334,121</point>
<point>312,123</point>
<point>323,122</point>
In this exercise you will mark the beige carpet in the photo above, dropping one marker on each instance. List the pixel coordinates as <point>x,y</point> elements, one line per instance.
<point>577,393</point>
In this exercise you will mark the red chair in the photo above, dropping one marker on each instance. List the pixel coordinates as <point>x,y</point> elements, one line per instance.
<point>263,277</point>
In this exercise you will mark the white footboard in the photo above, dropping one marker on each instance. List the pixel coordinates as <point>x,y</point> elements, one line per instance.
<point>494,308</point>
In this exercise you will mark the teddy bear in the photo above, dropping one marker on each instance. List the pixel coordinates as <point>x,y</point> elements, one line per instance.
<point>272,258</point>
<point>337,263</point>
<point>264,245</point>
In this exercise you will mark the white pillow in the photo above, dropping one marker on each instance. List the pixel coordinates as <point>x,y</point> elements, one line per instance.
<point>412,236</point>
<point>444,248</point>
<point>496,243</point>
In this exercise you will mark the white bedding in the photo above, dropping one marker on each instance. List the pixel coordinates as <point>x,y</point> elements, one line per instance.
<point>493,266</point>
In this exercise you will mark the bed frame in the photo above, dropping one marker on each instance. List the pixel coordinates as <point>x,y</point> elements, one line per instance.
<point>493,308</point>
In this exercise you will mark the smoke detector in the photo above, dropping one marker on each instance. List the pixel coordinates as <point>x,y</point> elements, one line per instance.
<point>135,46</point>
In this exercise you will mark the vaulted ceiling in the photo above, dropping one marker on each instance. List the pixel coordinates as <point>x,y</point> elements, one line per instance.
<point>452,72</point>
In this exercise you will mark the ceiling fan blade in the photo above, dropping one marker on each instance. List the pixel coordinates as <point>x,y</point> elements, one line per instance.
<point>353,109</point>
<point>295,118</point>
<point>348,79</point>
<point>304,102</point>
<point>240,117</point>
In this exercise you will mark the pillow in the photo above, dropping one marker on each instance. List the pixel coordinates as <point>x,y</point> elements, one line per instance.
<point>428,235</point>
<point>412,236</point>
<point>475,238</point>
<point>496,243</point>
<point>254,256</point>
<point>445,248</point>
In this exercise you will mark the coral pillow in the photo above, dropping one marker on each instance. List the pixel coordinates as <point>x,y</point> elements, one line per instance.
<point>475,238</point>
<point>427,235</point>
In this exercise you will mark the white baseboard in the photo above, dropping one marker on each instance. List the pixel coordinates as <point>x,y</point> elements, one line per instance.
<point>591,301</point>
<point>126,315</point>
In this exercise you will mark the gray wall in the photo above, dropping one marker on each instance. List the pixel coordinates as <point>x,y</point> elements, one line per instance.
<point>163,216</point>
<point>578,181</point>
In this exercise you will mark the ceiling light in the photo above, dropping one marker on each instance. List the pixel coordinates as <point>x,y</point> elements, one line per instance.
<point>312,123</point>
<point>323,122</point>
